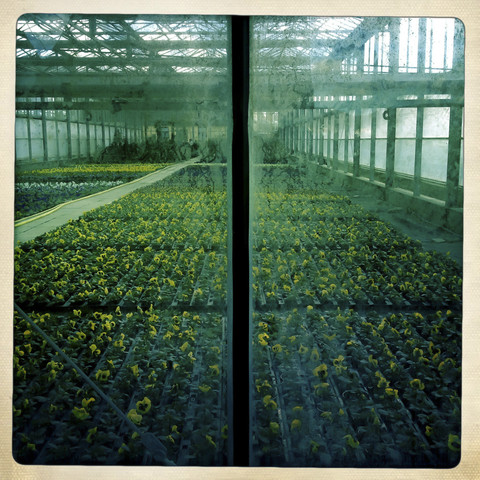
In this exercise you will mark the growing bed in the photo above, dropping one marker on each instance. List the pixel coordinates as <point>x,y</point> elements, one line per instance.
<point>357,333</point>
<point>39,190</point>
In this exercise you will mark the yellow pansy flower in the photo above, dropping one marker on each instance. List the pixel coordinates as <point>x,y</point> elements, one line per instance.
<point>314,356</point>
<point>144,405</point>
<point>94,350</point>
<point>210,441</point>
<point>329,337</point>
<point>134,417</point>
<point>416,383</point>
<point>261,338</point>
<point>321,386</point>
<point>91,433</point>
<point>392,392</point>
<point>81,335</point>
<point>80,413</point>
<point>373,361</point>
<point>454,442</point>
<point>302,349</point>
<point>102,375</point>
<point>260,385</point>
<point>382,382</point>
<point>296,424</point>
<point>269,403</point>
<point>168,335</point>
<point>274,427</point>
<point>86,403</point>
<point>321,371</point>
<point>351,442</point>
<point>263,325</point>
<point>277,348</point>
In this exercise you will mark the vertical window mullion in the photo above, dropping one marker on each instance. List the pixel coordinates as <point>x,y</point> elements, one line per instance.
<point>239,255</point>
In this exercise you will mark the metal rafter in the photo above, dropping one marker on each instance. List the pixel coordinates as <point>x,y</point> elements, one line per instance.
<point>118,37</point>
<point>139,58</point>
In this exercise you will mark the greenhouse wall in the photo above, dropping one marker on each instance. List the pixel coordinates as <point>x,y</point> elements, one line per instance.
<point>87,139</point>
<point>429,151</point>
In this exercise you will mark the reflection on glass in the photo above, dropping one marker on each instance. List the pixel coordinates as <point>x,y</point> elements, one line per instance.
<point>133,291</point>
<point>356,327</point>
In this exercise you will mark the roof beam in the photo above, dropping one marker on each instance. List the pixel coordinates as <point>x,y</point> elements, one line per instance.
<point>122,61</point>
<point>384,88</point>
<point>287,62</point>
<point>380,84</point>
<point>270,90</point>
<point>359,36</point>
<point>156,45</point>
<point>123,104</point>
<point>191,86</point>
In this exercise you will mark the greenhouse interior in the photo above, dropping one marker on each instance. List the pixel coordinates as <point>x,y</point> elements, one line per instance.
<point>238,241</point>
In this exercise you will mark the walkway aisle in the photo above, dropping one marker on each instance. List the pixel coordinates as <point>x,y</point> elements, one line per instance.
<point>44,223</point>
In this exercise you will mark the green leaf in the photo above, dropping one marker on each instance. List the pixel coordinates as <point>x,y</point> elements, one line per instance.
<point>40,398</point>
<point>326,459</point>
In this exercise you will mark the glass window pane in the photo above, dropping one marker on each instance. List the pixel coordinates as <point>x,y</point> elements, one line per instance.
<point>356,327</point>
<point>406,123</point>
<point>381,122</point>
<point>133,287</point>
<point>435,122</point>
<point>405,156</point>
<point>435,154</point>
<point>339,296</point>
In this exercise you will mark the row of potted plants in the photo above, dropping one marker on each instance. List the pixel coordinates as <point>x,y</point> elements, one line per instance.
<point>326,248</point>
<point>135,292</point>
<point>157,245</point>
<point>31,198</point>
<point>164,369</point>
<point>88,172</point>
<point>39,190</point>
<point>335,388</point>
<point>381,267</point>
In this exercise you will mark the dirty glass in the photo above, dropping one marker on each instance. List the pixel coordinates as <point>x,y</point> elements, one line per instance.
<point>134,291</point>
<point>123,229</point>
<point>356,312</point>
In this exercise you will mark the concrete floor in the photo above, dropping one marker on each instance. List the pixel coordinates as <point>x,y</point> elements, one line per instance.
<point>37,226</point>
<point>432,237</point>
